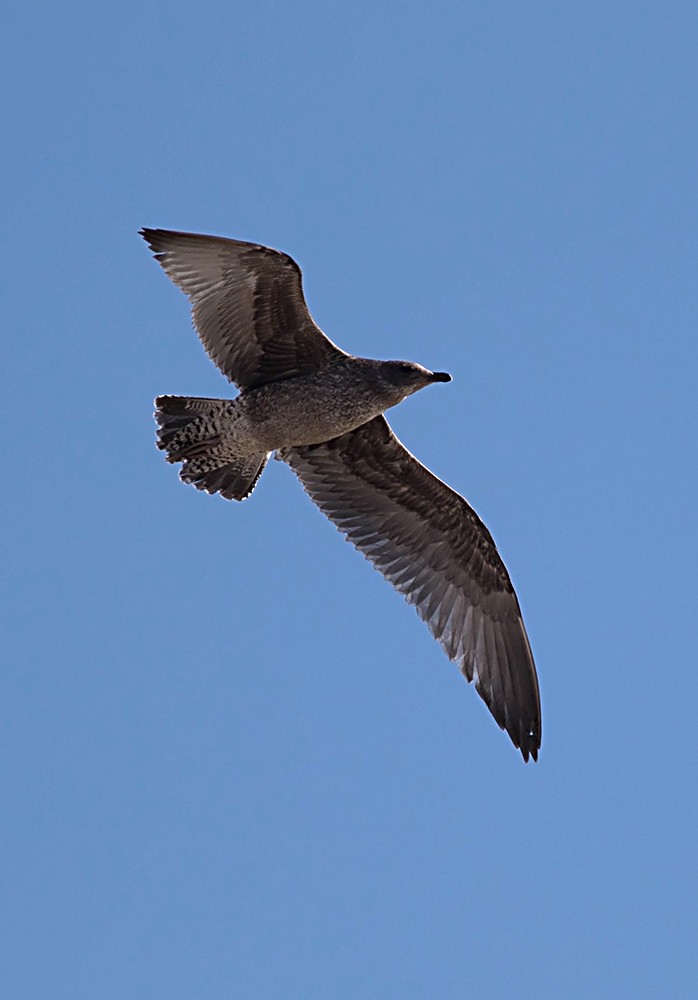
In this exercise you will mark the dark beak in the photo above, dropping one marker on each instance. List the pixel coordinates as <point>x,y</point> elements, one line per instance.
<point>440,377</point>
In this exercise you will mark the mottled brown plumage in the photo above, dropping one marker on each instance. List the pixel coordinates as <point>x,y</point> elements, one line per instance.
<point>321,410</point>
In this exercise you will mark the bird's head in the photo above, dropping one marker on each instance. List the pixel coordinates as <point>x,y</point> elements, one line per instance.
<point>402,378</point>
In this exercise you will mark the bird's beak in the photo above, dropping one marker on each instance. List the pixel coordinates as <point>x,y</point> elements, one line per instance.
<point>440,377</point>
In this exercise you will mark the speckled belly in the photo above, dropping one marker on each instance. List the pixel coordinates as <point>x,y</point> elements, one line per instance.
<point>303,411</point>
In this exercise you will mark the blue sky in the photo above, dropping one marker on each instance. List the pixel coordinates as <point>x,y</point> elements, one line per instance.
<point>234,763</point>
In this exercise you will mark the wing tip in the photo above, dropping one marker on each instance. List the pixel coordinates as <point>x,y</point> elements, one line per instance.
<point>526,738</point>
<point>525,734</point>
<point>155,238</point>
<point>528,750</point>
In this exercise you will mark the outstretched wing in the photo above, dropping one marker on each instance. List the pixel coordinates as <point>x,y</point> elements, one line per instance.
<point>431,545</point>
<point>247,304</point>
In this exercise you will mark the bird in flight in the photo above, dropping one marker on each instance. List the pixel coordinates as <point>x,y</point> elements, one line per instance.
<point>321,411</point>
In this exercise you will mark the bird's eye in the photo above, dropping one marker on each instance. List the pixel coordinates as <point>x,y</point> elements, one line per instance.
<point>405,368</point>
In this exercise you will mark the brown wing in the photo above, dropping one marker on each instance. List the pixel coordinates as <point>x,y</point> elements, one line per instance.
<point>431,545</point>
<point>247,304</point>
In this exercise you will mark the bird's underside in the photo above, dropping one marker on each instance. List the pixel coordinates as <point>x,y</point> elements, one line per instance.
<point>250,313</point>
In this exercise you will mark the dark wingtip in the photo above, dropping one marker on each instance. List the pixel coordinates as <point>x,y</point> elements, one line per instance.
<point>528,747</point>
<point>150,236</point>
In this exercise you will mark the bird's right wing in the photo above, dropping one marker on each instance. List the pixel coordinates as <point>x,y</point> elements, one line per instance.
<point>431,545</point>
<point>247,304</point>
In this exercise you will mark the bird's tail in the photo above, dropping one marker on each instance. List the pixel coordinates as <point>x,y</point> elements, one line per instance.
<point>189,431</point>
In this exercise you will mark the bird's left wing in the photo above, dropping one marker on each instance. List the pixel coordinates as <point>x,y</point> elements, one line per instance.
<point>431,545</point>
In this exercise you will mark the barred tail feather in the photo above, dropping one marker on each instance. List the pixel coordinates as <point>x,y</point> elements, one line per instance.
<point>189,432</point>
<point>234,481</point>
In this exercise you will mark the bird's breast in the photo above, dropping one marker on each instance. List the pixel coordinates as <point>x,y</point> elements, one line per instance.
<point>307,410</point>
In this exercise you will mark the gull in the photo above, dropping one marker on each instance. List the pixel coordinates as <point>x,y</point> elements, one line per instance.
<point>321,411</point>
